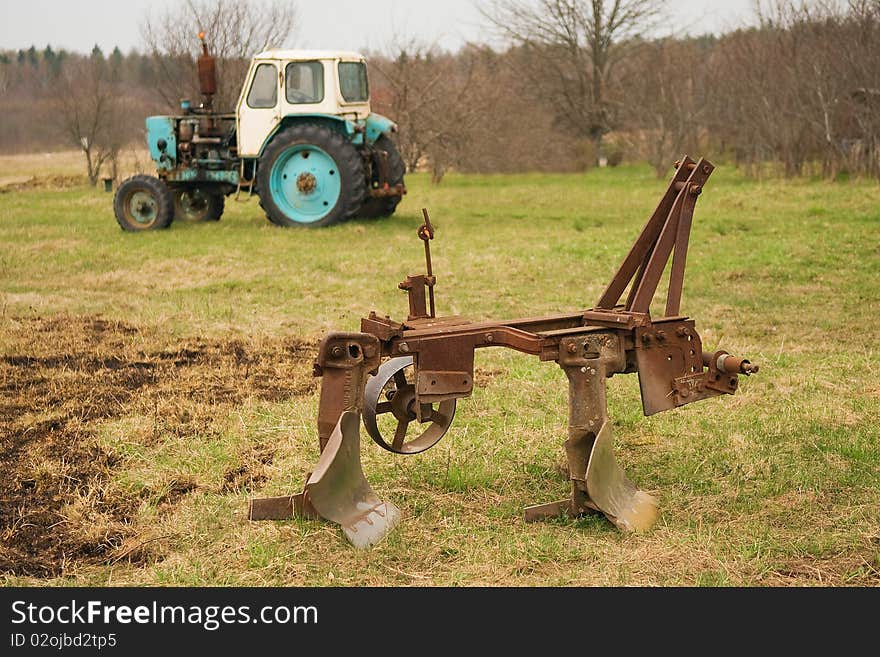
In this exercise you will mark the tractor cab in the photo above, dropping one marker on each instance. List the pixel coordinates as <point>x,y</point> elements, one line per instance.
<point>297,83</point>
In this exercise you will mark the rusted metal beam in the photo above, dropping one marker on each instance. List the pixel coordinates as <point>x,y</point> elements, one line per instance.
<point>636,257</point>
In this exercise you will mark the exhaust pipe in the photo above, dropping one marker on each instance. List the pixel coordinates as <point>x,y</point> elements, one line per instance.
<point>207,67</point>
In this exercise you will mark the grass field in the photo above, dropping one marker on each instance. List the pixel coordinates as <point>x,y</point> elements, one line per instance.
<point>152,383</point>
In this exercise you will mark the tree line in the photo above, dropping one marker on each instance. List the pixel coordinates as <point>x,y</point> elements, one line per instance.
<point>576,85</point>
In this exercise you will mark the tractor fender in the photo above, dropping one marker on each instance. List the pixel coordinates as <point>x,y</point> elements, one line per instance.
<point>378,125</point>
<point>373,127</point>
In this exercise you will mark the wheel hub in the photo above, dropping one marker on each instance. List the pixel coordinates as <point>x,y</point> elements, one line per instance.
<point>403,401</point>
<point>143,207</point>
<point>306,183</point>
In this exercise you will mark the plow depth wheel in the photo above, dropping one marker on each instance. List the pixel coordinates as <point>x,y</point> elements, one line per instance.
<point>390,401</point>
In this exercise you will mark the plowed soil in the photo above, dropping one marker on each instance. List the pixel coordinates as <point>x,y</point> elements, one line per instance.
<point>61,377</point>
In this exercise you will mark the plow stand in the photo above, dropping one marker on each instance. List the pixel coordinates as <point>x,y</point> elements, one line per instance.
<point>597,481</point>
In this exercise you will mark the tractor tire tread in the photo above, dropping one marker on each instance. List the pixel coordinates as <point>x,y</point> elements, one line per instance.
<point>377,208</point>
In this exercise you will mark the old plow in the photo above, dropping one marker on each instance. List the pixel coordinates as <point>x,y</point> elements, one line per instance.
<point>403,379</point>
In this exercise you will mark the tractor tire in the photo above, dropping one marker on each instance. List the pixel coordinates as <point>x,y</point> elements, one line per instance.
<point>375,208</point>
<point>143,203</point>
<point>193,204</point>
<point>310,175</point>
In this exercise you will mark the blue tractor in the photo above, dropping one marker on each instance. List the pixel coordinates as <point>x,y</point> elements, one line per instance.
<point>302,139</point>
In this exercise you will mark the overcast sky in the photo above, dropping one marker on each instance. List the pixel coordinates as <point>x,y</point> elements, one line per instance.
<point>326,24</point>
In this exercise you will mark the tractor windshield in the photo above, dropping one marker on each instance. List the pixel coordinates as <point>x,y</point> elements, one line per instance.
<point>353,82</point>
<point>305,82</point>
<point>264,89</point>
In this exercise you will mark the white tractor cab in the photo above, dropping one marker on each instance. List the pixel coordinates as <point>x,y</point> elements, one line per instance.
<point>284,83</point>
<point>302,138</point>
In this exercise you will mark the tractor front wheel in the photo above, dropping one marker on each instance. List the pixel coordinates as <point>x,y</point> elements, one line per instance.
<point>194,204</point>
<point>143,203</point>
<point>310,175</point>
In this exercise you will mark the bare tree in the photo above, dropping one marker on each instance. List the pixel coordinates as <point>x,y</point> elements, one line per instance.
<point>411,80</point>
<point>235,29</point>
<point>796,91</point>
<point>862,55</point>
<point>436,99</point>
<point>5,78</point>
<point>666,84</point>
<point>574,47</point>
<point>91,113</point>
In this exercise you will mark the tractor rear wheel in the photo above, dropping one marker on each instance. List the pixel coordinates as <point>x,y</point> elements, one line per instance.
<point>143,203</point>
<point>194,204</point>
<point>374,208</point>
<point>310,175</point>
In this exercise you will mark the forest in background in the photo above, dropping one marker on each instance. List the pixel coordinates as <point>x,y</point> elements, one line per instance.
<point>798,93</point>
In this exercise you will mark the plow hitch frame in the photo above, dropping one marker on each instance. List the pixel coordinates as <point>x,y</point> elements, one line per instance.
<point>414,371</point>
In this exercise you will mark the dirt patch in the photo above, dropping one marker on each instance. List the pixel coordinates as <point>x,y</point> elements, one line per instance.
<point>43,182</point>
<point>251,474</point>
<point>61,377</point>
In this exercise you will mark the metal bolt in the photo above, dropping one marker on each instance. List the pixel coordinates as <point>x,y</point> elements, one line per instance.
<point>489,337</point>
<point>571,348</point>
<point>661,335</point>
<point>706,169</point>
<point>404,347</point>
<point>337,351</point>
<point>681,331</point>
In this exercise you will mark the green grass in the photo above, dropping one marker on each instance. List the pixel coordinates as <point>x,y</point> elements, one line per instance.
<point>777,485</point>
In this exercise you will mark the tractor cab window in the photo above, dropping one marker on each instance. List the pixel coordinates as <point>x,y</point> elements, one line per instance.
<point>353,82</point>
<point>264,89</point>
<point>305,82</point>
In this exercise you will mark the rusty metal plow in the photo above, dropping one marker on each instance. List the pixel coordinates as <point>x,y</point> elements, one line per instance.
<point>429,364</point>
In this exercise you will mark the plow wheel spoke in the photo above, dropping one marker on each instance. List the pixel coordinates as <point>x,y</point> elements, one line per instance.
<point>390,410</point>
<point>399,435</point>
<point>400,378</point>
